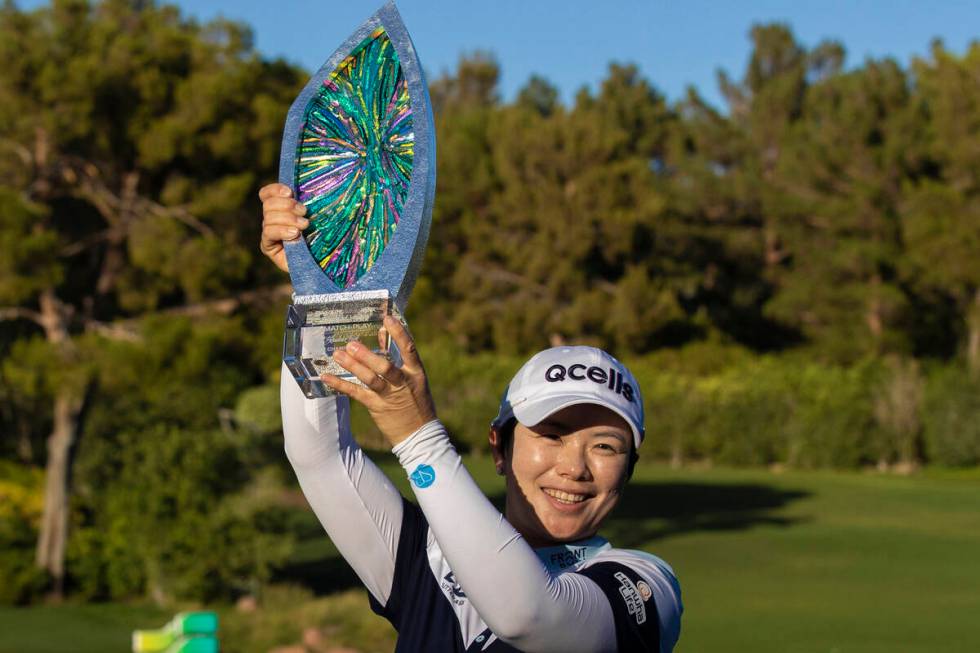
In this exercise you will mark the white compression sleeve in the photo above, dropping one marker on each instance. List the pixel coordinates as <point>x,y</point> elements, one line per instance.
<point>517,597</point>
<point>357,504</point>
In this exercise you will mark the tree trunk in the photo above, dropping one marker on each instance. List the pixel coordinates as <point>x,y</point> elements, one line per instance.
<point>973,337</point>
<point>118,214</point>
<point>112,264</point>
<point>25,451</point>
<point>874,316</point>
<point>53,536</point>
<point>774,253</point>
<point>54,522</point>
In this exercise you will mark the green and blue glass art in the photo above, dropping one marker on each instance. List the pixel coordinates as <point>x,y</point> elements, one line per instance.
<point>359,151</point>
<point>355,159</point>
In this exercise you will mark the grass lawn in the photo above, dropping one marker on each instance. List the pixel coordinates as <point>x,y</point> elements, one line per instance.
<point>791,562</point>
<point>817,562</point>
<point>94,628</point>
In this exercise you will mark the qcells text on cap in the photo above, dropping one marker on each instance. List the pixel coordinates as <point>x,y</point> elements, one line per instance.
<point>611,379</point>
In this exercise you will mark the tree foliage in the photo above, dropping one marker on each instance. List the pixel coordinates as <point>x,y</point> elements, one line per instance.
<point>133,140</point>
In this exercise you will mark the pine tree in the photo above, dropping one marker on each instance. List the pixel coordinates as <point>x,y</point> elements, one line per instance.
<point>138,140</point>
<point>942,222</point>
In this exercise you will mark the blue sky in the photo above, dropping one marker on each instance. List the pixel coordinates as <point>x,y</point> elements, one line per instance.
<point>571,42</point>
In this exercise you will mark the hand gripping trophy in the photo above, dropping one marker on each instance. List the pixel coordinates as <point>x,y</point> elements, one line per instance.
<point>358,151</point>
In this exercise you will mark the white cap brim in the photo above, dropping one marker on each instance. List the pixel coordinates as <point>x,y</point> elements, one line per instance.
<point>534,411</point>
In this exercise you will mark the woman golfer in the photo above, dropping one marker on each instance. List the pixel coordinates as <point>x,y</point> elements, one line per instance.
<point>451,573</point>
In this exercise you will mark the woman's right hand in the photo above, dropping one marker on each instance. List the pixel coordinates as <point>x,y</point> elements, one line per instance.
<point>398,398</point>
<point>282,220</point>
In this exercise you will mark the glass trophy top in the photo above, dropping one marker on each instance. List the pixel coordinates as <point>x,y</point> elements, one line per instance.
<point>359,151</point>
<point>354,160</point>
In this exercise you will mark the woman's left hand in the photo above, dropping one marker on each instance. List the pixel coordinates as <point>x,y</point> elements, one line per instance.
<point>397,398</point>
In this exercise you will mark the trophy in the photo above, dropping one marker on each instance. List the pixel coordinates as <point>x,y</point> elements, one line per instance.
<point>359,151</point>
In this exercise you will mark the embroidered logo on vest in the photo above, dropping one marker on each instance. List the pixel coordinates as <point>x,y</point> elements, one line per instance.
<point>632,597</point>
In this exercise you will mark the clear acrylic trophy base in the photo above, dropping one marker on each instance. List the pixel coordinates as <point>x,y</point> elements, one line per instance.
<point>319,325</point>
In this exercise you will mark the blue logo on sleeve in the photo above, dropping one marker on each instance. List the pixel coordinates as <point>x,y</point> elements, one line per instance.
<point>423,476</point>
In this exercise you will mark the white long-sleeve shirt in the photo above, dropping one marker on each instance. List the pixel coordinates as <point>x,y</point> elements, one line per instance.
<point>451,573</point>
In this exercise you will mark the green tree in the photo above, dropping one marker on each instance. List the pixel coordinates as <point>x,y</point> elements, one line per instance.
<point>563,248</point>
<point>181,517</point>
<point>763,105</point>
<point>837,196</point>
<point>463,104</point>
<point>134,140</point>
<point>707,197</point>
<point>942,220</point>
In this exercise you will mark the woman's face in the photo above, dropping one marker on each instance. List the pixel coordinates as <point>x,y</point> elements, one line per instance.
<point>565,474</point>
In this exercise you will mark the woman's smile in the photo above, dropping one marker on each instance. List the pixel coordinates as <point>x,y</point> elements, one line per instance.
<point>565,498</point>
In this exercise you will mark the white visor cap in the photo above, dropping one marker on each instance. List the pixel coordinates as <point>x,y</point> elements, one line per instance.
<point>560,377</point>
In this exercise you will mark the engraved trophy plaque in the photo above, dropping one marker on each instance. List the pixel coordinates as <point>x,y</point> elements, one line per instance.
<point>359,151</point>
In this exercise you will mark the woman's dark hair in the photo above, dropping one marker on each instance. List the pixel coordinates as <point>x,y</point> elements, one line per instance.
<point>505,433</point>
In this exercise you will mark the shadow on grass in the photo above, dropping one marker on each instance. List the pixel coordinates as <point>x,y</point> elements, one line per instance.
<point>651,511</point>
<point>647,512</point>
<point>324,576</point>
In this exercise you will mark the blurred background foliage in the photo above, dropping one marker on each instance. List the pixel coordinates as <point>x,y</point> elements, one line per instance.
<point>794,280</point>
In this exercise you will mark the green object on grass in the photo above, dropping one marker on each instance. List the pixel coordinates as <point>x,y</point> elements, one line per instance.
<point>195,623</point>
<point>150,641</point>
<point>204,644</point>
<point>187,632</point>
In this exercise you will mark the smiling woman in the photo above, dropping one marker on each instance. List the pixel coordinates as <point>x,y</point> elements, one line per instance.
<point>565,474</point>
<point>450,572</point>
